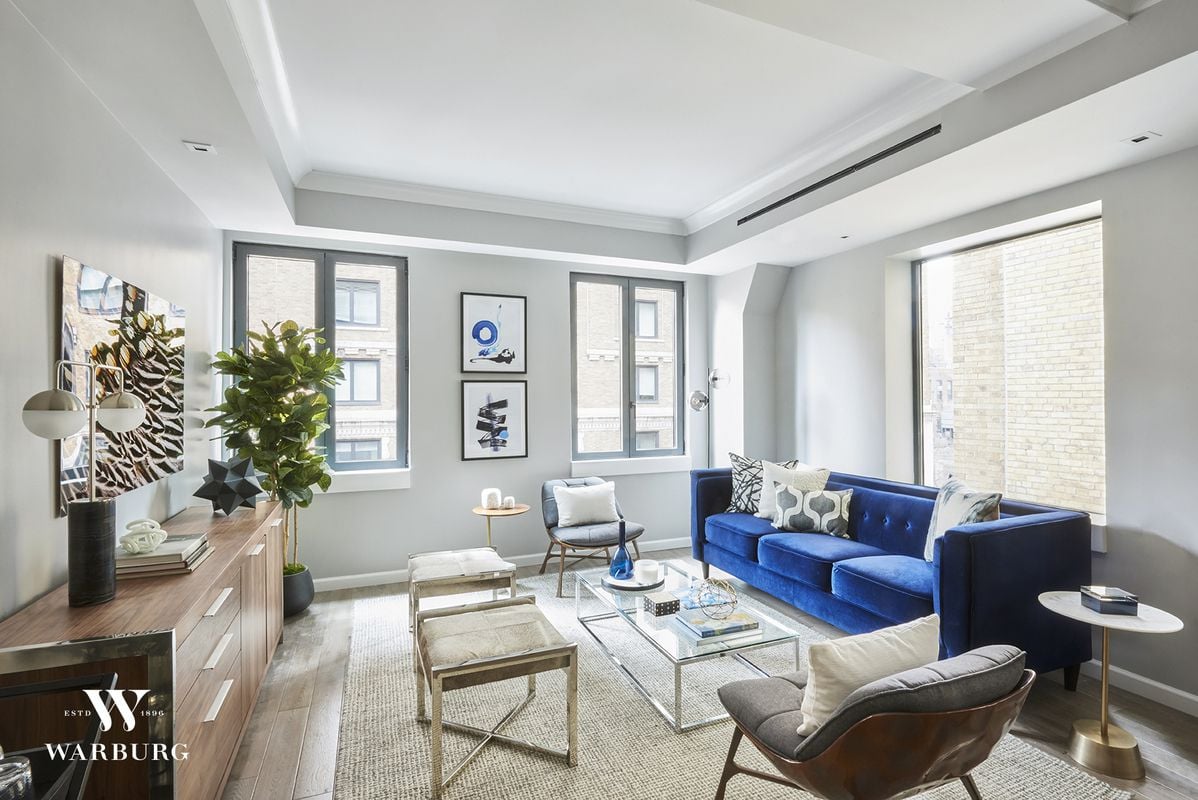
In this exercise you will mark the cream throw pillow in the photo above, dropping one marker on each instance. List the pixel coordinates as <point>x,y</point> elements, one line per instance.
<point>586,505</point>
<point>801,476</point>
<point>838,667</point>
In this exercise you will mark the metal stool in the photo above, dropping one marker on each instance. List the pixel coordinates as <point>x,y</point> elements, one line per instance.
<point>447,572</point>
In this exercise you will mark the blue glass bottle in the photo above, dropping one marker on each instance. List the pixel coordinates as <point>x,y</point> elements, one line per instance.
<point>621,563</point>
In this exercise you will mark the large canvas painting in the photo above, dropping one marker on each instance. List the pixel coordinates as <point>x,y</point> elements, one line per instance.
<point>494,420</point>
<point>108,320</point>
<point>493,333</point>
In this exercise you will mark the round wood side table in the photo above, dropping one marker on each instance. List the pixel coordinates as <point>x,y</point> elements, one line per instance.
<point>1098,744</point>
<point>489,513</point>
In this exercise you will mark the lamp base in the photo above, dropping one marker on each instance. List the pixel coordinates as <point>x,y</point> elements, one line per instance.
<point>91,552</point>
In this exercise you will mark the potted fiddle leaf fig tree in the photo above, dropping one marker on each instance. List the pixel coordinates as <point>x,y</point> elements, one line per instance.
<point>274,413</point>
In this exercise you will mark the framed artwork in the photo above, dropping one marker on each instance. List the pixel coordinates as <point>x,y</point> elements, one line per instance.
<point>494,420</point>
<point>110,321</point>
<point>493,333</point>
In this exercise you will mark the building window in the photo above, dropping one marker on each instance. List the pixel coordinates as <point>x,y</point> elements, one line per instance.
<point>646,319</point>
<point>99,293</point>
<point>1010,361</point>
<point>627,381</point>
<point>360,301</point>
<point>359,450</point>
<point>361,383</point>
<point>357,302</point>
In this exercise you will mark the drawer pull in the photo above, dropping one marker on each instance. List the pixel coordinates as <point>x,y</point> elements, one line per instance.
<point>214,609</point>
<point>258,548</point>
<point>218,651</point>
<point>218,701</point>
<point>277,523</point>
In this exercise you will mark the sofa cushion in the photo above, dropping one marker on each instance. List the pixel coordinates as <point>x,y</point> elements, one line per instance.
<point>898,588</point>
<point>808,557</point>
<point>737,533</point>
<point>768,708</point>
<point>896,523</point>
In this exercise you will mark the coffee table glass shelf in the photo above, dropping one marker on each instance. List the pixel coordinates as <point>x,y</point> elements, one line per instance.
<point>667,636</point>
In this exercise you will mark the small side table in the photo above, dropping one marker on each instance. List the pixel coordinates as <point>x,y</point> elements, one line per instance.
<point>1098,744</point>
<point>488,513</point>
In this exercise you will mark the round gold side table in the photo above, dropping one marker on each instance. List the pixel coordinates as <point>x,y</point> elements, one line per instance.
<point>489,513</point>
<point>1098,744</point>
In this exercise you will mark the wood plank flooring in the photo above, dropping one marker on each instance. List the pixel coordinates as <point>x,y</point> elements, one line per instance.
<point>289,751</point>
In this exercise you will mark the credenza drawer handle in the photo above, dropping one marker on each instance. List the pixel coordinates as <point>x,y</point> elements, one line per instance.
<point>218,651</point>
<point>214,609</point>
<point>277,523</point>
<point>258,548</point>
<point>218,701</point>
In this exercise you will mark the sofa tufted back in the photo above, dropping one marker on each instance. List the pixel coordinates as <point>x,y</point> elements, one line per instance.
<point>897,523</point>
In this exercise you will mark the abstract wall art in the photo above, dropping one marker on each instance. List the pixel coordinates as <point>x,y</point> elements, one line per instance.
<point>111,321</point>
<point>494,420</point>
<point>493,333</point>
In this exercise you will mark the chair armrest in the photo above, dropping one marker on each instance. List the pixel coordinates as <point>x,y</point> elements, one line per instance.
<point>711,492</point>
<point>988,577</point>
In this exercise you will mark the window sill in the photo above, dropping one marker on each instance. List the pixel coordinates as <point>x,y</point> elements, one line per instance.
<point>370,480</point>
<point>630,466</point>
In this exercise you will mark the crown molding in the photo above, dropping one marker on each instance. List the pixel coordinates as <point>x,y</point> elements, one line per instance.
<point>920,99</point>
<point>481,201</point>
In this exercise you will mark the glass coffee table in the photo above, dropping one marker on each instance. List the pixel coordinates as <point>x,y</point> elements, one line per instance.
<point>671,640</point>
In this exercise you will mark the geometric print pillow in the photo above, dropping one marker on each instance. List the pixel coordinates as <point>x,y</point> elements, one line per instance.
<point>746,483</point>
<point>957,505</point>
<point>825,511</point>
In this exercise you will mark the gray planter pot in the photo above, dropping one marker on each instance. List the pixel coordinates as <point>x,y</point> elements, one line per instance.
<point>298,591</point>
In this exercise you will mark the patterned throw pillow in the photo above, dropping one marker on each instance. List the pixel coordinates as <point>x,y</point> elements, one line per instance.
<point>809,479</point>
<point>957,505</point>
<point>825,511</point>
<point>746,483</point>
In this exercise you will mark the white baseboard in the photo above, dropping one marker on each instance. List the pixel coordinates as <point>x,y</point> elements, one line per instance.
<point>1145,687</point>
<point>529,560</point>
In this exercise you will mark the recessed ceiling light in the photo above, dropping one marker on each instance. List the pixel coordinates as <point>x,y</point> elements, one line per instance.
<point>1140,138</point>
<point>198,147</point>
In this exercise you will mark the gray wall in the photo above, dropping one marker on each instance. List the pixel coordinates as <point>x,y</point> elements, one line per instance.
<point>840,314</point>
<point>72,181</point>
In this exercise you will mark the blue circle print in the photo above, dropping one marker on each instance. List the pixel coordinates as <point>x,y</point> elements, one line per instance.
<point>485,332</point>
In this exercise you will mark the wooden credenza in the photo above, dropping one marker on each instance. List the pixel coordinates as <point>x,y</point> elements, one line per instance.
<point>226,618</point>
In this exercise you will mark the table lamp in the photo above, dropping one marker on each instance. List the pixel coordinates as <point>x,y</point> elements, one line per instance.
<point>91,524</point>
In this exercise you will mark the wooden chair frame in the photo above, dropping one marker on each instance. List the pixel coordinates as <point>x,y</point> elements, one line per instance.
<point>588,553</point>
<point>937,748</point>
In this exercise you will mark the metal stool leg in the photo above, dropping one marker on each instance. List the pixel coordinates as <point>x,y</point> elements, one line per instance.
<point>572,711</point>
<point>435,734</point>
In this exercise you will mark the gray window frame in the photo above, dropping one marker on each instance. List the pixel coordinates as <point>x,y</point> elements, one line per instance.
<point>628,286</point>
<point>352,442</point>
<point>352,284</point>
<point>351,380</point>
<point>325,291</point>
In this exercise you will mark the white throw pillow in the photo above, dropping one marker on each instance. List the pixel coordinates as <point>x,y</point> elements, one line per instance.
<point>838,667</point>
<point>586,505</point>
<point>957,505</point>
<point>803,477</point>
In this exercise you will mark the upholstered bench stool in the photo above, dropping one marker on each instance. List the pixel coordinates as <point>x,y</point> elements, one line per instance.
<point>448,572</point>
<point>482,643</point>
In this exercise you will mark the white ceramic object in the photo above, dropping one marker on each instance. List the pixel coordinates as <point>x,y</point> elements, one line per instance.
<point>647,570</point>
<point>142,536</point>
<point>509,502</point>
<point>491,499</point>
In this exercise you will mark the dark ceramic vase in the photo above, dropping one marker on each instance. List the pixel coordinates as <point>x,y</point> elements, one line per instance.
<point>91,552</point>
<point>298,591</point>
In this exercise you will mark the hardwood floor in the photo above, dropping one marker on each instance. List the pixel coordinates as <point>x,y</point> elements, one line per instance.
<point>290,749</point>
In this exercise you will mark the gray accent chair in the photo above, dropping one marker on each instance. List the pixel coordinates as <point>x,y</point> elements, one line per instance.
<point>586,539</point>
<point>892,738</point>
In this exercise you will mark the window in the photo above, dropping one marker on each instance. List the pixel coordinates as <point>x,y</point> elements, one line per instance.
<point>646,319</point>
<point>1010,361</point>
<point>357,302</point>
<point>646,384</point>
<point>359,449</point>
<point>361,383</point>
<point>627,386</point>
<point>99,293</point>
<point>361,302</point>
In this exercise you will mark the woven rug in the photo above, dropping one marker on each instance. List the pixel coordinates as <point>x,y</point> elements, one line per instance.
<point>626,750</point>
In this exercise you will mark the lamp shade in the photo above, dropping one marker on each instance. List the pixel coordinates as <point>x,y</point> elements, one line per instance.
<point>121,412</point>
<point>54,414</point>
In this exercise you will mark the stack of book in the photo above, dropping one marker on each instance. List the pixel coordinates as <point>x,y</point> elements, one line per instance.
<point>1110,600</point>
<point>178,555</point>
<point>737,624</point>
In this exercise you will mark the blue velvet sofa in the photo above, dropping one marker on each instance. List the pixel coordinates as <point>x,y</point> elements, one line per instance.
<point>983,581</point>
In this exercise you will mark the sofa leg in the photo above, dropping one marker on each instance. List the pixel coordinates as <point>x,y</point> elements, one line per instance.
<point>706,570</point>
<point>729,765</point>
<point>971,787</point>
<point>1072,673</point>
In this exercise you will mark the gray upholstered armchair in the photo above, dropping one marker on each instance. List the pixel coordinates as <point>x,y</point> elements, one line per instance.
<point>585,539</point>
<point>892,738</point>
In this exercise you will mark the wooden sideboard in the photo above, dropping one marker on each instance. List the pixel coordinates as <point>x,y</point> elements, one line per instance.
<point>226,619</point>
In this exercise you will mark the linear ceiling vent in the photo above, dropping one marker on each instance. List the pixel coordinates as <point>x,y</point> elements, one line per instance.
<point>844,173</point>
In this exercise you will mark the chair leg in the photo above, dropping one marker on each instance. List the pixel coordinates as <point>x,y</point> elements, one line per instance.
<point>607,554</point>
<point>636,550</point>
<point>730,768</point>
<point>561,569</point>
<point>971,787</point>
<point>548,555</point>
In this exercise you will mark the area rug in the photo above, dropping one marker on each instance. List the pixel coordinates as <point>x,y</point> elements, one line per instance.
<point>626,750</point>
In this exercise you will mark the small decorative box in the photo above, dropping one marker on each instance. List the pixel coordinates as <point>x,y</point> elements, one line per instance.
<point>1110,600</point>
<point>661,604</point>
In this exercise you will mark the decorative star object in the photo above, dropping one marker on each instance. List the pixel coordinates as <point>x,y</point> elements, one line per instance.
<point>231,484</point>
